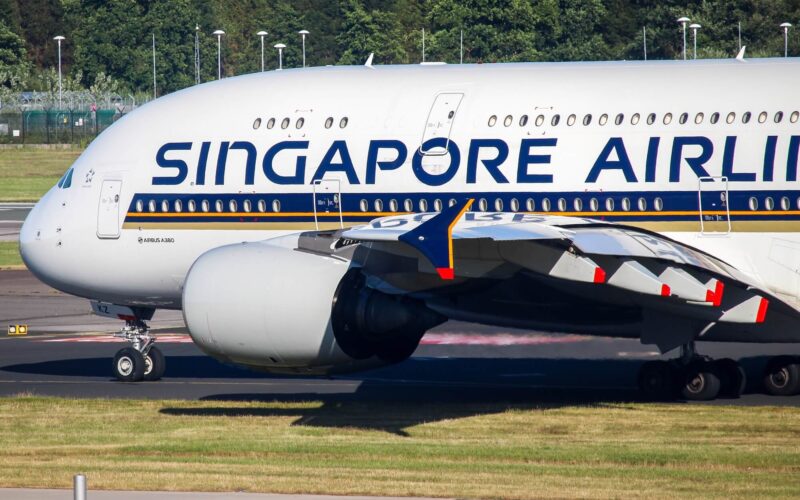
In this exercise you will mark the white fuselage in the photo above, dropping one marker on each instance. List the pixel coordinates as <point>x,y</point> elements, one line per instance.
<point>213,164</point>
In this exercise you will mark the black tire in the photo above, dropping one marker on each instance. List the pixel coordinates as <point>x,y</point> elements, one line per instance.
<point>397,349</point>
<point>155,364</point>
<point>732,378</point>
<point>657,380</point>
<point>128,365</point>
<point>782,376</point>
<point>700,382</point>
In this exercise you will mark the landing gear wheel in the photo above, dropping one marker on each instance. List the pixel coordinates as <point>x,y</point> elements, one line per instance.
<point>700,382</point>
<point>782,376</point>
<point>129,365</point>
<point>397,349</point>
<point>155,364</point>
<point>657,380</point>
<point>732,378</point>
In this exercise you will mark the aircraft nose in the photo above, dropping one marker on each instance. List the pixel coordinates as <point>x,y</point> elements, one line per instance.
<point>35,242</point>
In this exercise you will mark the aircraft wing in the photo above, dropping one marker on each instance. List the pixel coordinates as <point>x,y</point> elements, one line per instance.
<point>592,259</point>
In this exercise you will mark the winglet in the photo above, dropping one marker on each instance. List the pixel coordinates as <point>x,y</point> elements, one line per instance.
<point>434,238</point>
<point>368,64</point>
<point>740,55</point>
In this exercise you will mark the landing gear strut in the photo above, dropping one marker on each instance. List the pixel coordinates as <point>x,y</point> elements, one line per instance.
<point>691,377</point>
<point>142,360</point>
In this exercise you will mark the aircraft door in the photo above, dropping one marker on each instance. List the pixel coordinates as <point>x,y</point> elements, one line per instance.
<point>715,212</point>
<point>440,122</point>
<point>108,209</point>
<point>327,201</point>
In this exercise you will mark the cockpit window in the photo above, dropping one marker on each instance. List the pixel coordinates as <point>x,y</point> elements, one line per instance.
<point>66,180</point>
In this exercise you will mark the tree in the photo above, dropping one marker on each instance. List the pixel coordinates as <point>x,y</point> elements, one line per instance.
<point>365,32</point>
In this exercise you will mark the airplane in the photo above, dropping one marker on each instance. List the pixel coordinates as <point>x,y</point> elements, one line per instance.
<point>321,220</point>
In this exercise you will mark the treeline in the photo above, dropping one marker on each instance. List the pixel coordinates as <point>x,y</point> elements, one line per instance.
<point>108,42</point>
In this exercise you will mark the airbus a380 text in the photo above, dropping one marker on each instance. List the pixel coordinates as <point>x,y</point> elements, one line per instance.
<point>320,220</point>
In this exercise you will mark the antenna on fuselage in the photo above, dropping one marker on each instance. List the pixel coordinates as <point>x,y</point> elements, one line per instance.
<point>368,64</point>
<point>740,56</point>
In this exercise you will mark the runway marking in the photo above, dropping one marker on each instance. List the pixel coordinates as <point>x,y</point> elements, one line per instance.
<point>504,339</point>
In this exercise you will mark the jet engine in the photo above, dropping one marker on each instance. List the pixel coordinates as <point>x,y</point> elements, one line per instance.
<point>271,306</point>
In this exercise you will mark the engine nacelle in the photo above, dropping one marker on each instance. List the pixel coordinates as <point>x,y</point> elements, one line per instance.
<point>268,306</point>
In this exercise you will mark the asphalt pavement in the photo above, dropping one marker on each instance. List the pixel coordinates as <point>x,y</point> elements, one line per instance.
<point>12,215</point>
<point>68,352</point>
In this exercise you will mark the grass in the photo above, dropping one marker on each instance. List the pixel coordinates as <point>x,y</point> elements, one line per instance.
<point>27,173</point>
<point>9,255</point>
<point>349,448</point>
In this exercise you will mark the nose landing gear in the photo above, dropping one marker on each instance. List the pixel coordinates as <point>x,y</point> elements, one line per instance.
<point>142,360</point>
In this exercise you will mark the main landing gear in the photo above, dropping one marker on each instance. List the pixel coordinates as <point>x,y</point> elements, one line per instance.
<point>142,360</point>
<point>700,378</point>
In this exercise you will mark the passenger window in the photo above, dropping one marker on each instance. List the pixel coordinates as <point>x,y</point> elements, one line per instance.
<point>363,205</point>
<point>437,205</point>
<point>651,118</point>
<point>571,120</point>
<point>603,119</point>
<point>785,203</point>
<point>752,203</point>
<point>667,118</point>
<point>423,205</point>
<point>451,202</point>
<point>539,120</point>
<point>492,120</point>
<point>514,205</point>
<point>256,123</point>
<point>507,122</point>
<point>523,120</point>
<point>151,206</point>
<point>626,204</point>
<point>779,117</point>
<point>587,120</point>
<point>498,205</point>
<point>610,204</point>
<point>714,117</point>
<point>393,205</point>
<point>483,205</point>
<point>795,115</point>
<point>343,122</point>
<point>271,123</point>
<point>769,203</point>
<point>555,119</point>
<point>577,204</point>
<point>178,206</point>
<point>746,117</point>
<point>658,203</point>
<point>408,205</point>
<point>329,122</point>
<point>191,205</point>
<point>641,204</point>
<point>562,205</point>
<point>698,118</point>
<point>378,205</point>
<point>546,205</point>
<point>594,205</point>
<point>635,119</point>
<point>731,117</point>
<point>285,123</point>
<point>530,205</point>
<point>276,205</point>
<point>204,206</point>
<point>139,205</point>
<point>619,119</point>
<point>233,207</point>
<point>218,205</point>
<point>762,117</point>
<point>248,206</point>
<point>299,123</point>
<point>683,118</point>
<point>262,206</point>
<point>164,206</point>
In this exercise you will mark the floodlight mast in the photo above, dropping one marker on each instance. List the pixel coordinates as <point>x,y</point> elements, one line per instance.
<point>58,39</point>
<point>786,27</point>
<point>694,28</point>
<point>219,34</point>
<point>684,21</point>
<point>262,34</point>
<point>303,33</point>
<point>280,47</point>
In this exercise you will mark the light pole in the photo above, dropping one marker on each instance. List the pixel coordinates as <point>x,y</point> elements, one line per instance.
<point>461,49</point>
<point>786,27</point>
<point>694,28</point>
<point>280,48</point>
<point>683,21</point>
<point>219,34</point>
<point>197,54</point>
<point>303,33</point>
<point>58,39</point>
<point>155,93</point>
<point>262,34</point>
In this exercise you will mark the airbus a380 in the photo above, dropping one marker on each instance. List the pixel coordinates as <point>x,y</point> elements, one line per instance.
<point>321,220</point>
